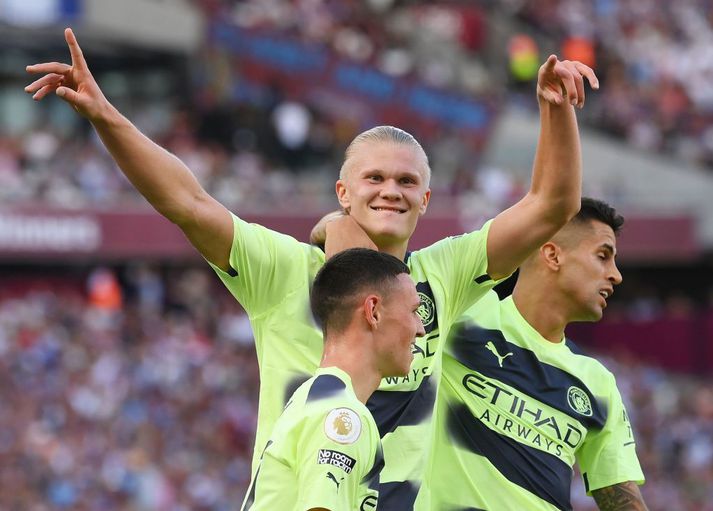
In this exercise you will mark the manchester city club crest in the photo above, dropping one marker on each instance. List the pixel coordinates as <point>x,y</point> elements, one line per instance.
<point>426,309</point>
<point>579,401</point>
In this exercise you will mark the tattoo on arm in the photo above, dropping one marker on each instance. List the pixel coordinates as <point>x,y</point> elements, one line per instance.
<point>620,497</point>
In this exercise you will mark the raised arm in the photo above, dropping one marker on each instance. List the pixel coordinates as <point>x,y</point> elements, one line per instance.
<point>555,192</point>
<point>620,497</point>
<point>158,175</point>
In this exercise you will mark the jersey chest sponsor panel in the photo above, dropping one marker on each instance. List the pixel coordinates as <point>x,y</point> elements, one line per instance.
<point>324,451</point>
<point>519,411</point>
<point>274,290</point>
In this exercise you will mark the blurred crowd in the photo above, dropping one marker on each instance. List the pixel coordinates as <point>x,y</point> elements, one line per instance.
<point>673,422</point>
<point>651,55</point>
<point>135,390</point>
<point>281,152</point>
<point>655,62</point>
<point>139,396</point>
<point>243,155</point>
<point>63,164</point>
<point>442,52</point>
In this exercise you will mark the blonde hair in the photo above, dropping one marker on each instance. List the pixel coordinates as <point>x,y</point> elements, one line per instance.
<point>384,134</point>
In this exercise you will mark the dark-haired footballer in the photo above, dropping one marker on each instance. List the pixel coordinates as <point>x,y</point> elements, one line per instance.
<point>519,404</point>
<point>325,452</point>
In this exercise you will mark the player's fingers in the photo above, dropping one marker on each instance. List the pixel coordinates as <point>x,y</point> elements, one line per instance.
<point>569,85</point>
<point>75,51</point>
<point>589,74</point>
<point>70,96</point>
<point>45,80</point>
<point>551,96</point>
<point>551,62</point>
<point>49,67</point>
<point>579,85</point>
<point>44,91</point>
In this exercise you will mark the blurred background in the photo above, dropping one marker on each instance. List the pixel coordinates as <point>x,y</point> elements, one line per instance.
<point>128,379</point>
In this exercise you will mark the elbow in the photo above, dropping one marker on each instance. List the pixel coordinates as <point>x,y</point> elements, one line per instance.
<point>561,211</point>
<point>571,208</point>
<point>183,212</point>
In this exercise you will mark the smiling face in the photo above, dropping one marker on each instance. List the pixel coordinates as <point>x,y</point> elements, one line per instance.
<point>385,189</point>
<point>399,325</point>
<point>588,271</point>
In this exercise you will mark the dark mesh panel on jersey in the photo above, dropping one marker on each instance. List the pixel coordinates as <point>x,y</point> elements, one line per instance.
<point>523,371</point>
<point>371,479</point>
<point>324,386</point>
<point>482,279</point>
<point>393,408</point>
<point>293,385</point>
<point>575,349</point>
<point>397,496</point>
<point>251,495</point>
<point>539,473</point>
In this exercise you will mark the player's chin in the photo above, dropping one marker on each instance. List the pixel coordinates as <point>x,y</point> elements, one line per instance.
<point>391,233</point>
<point>595,313</point>
<point>406,366</point>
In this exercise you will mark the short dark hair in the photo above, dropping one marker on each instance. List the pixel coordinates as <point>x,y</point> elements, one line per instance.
<point>595,209</point>
<point>346,274</point>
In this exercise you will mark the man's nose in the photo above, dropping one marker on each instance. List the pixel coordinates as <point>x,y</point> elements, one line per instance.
<point>390,190</point>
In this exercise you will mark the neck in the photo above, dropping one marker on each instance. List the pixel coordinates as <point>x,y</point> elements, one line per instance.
<point>544,311</point>
<point>352,355</point>
<point>397,249</point>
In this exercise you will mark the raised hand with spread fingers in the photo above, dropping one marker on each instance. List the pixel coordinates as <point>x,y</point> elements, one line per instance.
<point>74,83</point>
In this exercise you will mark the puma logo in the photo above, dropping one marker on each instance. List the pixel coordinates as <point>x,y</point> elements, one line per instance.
<point>331,476</point>
<point>491,347</point>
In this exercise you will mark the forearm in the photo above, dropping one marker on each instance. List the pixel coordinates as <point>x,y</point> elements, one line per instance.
<point>344,233</point>
<point>557,169</point>
<point>620,497</point>
<point>158,175</point>
<point>553,199</point>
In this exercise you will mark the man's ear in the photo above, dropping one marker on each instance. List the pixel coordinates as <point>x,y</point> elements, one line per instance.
<point>424,202</point>
<point>372,311</point>
<point>343,195</point>
<point>551,254</point>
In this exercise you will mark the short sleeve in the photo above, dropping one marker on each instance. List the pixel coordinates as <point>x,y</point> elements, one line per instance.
<point>460,263</point>
<point>335,454</point>
<point>608,456</point>
<point>266,266</point>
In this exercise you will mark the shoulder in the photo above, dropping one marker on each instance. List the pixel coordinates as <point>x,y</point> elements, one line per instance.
<point>325,388</point>
<point>583,357</point>
<point>489,304</point>
<point>245,228</point>
<point>465,239</point>
<point>344,421</point>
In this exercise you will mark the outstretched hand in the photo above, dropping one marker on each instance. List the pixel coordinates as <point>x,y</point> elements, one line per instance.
<point>73,83</point>
<point>563,80</point>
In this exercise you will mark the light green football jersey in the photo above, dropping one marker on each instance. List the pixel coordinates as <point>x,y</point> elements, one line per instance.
<point>515,412</point>
<point>271,277</point>
<point>324,451</point>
